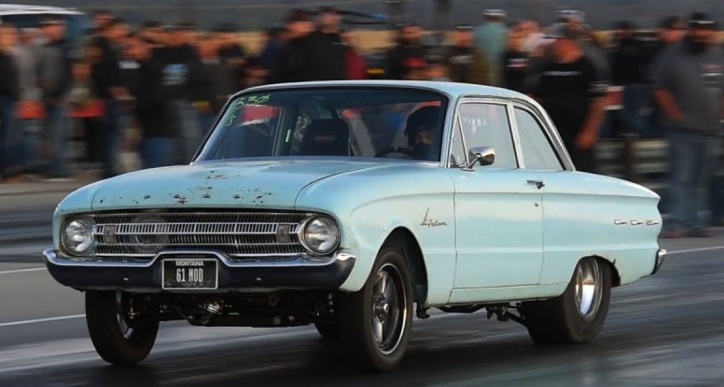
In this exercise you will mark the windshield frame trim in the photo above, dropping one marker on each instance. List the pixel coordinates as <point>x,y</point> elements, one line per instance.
<point>446,124</point>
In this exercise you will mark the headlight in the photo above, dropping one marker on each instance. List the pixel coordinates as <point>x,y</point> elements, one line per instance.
<point>77,237</point>
<point>320,235</point>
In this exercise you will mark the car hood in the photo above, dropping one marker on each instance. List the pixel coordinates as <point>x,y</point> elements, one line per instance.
<point>273,184</point>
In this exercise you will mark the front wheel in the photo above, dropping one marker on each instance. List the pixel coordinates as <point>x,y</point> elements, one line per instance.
<point>576,316</point>
<point>117,338</point>
<point>376,321</point>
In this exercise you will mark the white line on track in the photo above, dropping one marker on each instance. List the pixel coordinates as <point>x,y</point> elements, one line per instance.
<point>40,320</point>
<point>696,250</point>
<point>77,316</point>
<point>32,269</point>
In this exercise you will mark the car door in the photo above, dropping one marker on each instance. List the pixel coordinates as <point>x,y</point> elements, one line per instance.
<point>499,218</point>
<point>565,223</point>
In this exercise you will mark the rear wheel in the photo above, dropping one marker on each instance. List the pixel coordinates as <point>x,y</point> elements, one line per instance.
<point>117,338</point>
<point>576,316</point>
<point>376,321</point>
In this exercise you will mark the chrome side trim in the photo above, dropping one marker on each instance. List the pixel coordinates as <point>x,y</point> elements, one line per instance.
<point>515,131</point>
<point>619,222</point>
<point>52,256</point>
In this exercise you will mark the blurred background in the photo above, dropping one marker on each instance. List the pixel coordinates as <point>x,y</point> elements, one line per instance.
<point>253,15</point>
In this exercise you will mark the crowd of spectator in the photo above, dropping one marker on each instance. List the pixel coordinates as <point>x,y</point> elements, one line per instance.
<point>171,81</point>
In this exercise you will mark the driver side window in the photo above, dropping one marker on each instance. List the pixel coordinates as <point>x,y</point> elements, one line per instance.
<point>488,124</point>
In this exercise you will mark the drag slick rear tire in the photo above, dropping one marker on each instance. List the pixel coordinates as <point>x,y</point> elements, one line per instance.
<point>115,339</point>
<point>576,316</point>
<point>376,321</point>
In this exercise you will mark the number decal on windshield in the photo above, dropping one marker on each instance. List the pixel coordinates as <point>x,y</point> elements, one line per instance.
<point>252,100</point>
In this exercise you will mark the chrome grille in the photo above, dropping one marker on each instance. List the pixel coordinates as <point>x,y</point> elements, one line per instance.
<point>245,235</point>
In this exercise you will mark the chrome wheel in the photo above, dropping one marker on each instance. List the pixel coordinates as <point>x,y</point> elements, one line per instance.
<point>588,288</point>
<point>122,307</point>
<point>389,309</point>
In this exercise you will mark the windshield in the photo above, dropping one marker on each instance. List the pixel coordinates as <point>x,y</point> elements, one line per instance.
<point>403,123</point>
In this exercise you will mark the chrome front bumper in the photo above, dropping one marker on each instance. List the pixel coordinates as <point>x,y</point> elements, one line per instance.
<point>659,260</point>
<point>134,274</point>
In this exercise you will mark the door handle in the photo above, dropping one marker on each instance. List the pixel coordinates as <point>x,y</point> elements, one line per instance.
<point>538,183</point>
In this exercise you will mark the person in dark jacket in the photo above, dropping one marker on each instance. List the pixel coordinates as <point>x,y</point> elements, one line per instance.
<point>516,63</point>
<point>331,48</point>
<point>9,93</point>
<point>628,72</point>
<point>466,62</point>
<point>157,140</point>
<point>273,48</point>
<point>231,53</point>
<point>107,77</point>
<point>177,58</point>
<point>406,59</point>
<point>671,32</point>
<point>55,78</point>
<point>211,82</point>
<point>311,54</point>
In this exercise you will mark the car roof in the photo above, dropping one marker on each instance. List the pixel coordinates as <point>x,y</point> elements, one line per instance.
<point>453,89</point>
<point>16,9</point>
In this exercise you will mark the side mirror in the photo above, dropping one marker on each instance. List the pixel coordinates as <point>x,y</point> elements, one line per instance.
<point>483,155</point>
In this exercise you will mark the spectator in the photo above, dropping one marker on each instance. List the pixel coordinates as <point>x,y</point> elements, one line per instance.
<point>628,73</point>
<point>516,62</point>
<point>531,35</point>
<point>571,90</point>
<point>330,49</point>
<point>55,79</point>
<point>589,43</point>
<point>273,48</point>
<point>356,66</point>
<point>9,96</point>
<point>106,75</point>
<point>671,32</point>
<point>689,87</point>
<point>30,109</point>
<point>311,54</point>
<point>232,54</point>
<point>177,57</point>
<point>293,61</point>
<point>153,34</point>
<point>157,138</point>
<point>211,81</point>
<point>407,60</point>
<point>466,62</point>
<point>492,38</point>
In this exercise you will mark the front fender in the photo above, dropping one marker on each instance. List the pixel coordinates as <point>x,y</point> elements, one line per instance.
<point>370,204</point>
<point>368,226</point>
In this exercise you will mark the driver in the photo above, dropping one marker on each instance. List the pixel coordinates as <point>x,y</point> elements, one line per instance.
<point>421,130</point>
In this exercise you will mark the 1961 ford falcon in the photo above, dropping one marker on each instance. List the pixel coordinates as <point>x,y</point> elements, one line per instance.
<point>354,206</point>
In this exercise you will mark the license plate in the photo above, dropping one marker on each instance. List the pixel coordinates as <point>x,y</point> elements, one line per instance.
<point>190,274</point>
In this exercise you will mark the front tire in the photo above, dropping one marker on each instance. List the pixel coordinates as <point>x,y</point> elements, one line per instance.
<point>576,316</point>
<point>376,321</point>
<point>115,338</point>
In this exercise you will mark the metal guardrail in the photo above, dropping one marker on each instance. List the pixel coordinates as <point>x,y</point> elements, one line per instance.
<point>643,161</point>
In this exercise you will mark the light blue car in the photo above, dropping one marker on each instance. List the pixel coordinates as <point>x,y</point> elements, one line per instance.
<point>354,206</point>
